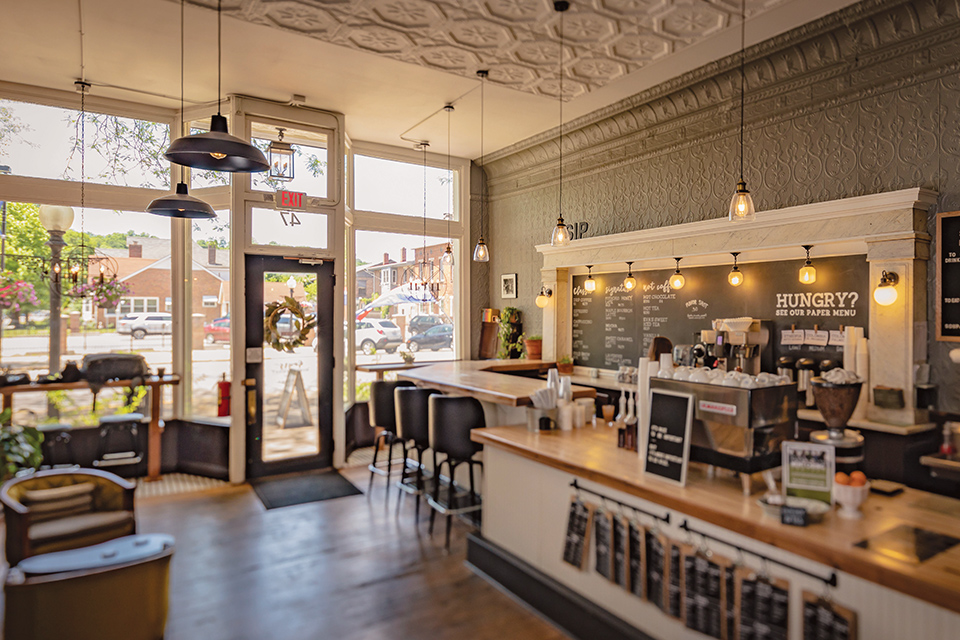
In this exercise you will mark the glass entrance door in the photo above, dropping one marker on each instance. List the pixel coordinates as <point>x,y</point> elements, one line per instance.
<point>290,428</point>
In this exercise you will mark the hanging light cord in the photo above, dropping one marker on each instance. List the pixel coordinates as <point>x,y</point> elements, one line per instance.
<point>742,77</point>
<point>423,256</point>
<point>482,170</point>
<point>560,190</point>
<point>83,74</point>
<point>182,3</point>
<point>219,52</point>
<point>449,178</point>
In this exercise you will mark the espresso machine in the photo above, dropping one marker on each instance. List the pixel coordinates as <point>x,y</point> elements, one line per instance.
<point>750,350</point>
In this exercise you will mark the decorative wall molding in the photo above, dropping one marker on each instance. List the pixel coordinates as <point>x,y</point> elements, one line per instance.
<point>846,56</point>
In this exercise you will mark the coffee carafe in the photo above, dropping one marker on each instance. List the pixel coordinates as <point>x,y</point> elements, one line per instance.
<point>806,369</point>
<point>786,366</point>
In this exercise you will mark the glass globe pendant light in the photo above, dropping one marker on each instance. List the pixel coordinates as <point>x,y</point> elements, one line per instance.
<point>677,280</point>
<point>561,234</point>
<point>735,277</point>
<point>741,205</point>
<point>808,273</point>
<point>480,252</point>
<point>629,283</point>
<point>590,284</point>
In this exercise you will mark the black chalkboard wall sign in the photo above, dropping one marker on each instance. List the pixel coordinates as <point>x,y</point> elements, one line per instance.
<point>948,277</point>
<point>668,445</point>
<point>613,326</point>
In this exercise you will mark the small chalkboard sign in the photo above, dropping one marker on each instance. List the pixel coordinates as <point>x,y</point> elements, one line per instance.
<point>638,551</point>
<point>668,443</point>
<point>948,277</point>
<point>795,516</point>
<point>620,550</point>
<point>603,533</point>
<point>578,533</point>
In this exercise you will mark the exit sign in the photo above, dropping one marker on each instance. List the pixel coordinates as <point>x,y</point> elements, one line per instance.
<point>291,199</point>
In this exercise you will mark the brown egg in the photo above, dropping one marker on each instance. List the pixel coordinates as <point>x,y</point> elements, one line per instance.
<point>841,478</point>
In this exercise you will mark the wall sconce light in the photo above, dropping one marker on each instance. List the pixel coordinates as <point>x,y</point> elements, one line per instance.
<point>543,298</point>
<point>735,277</point>
<point>808,273</point>
<point>590,284</point>
<point>629,283</point>
<point>886,292</point>
<point>677,280</point>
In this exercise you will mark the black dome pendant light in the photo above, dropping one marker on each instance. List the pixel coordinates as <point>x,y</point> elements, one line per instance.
<point>181,204</point>
<point>216,149</point>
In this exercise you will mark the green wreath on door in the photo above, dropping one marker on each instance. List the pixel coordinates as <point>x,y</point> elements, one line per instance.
<point>271,332</point>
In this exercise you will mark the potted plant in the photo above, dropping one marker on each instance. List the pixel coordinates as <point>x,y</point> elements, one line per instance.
<point>565,365</point>
<point>533,347</point>
<point>511,332</point>
<point>19,446</point>
<point>405,354</point>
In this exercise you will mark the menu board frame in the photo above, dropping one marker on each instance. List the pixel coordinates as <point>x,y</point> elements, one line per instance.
<point>947,271</point>
<point>687,417</point>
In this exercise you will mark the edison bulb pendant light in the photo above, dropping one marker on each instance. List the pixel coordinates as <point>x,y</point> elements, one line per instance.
<point>808,273</point>
<point>735,277</point>
<point>447,258</point>
<point>741,205</point>
<point>629,283</point>
<point>677,280</point>
<point>590,284</point>
<point>480,253</point>
<point>561,234</point>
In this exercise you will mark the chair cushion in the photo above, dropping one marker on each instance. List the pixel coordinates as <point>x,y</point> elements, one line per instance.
<point>54,509</point>
<point>79,525</point>
<point>55,494</point>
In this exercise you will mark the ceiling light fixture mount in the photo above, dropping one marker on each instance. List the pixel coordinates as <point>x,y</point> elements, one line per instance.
<point>741,205</point>
<point>561,234</point>
<point>216,149</point>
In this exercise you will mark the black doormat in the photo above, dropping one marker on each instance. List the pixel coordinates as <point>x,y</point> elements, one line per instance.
<point>299,488</point>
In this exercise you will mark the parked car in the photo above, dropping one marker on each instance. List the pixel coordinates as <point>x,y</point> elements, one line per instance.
<point>419,324</point>
<point>374,334</point>
<point>217,331</point>
<point>139,325</point>
<point>434,338</point>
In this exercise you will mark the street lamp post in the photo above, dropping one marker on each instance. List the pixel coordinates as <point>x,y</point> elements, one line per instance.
<point>291,284</point>
<point>56,220</point>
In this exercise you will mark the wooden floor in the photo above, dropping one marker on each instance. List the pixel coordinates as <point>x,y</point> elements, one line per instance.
<point>347,569</point>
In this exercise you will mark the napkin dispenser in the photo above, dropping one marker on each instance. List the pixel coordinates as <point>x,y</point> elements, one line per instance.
<point>738,429</point>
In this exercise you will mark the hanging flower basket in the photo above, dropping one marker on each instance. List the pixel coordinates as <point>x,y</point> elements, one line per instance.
<point>15,293</point>
<point>106,294</point>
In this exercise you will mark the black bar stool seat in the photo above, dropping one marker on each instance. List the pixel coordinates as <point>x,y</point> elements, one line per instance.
<point>451,420</point>
<point>413,431</point>
<point>383,415</point>
<point>123,427</point>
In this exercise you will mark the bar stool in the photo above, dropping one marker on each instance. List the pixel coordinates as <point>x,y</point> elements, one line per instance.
<point>125,427</point>
<point>451,420</point>
<point>413,431</point>
<point>56,435</point>
<point>383,415</point>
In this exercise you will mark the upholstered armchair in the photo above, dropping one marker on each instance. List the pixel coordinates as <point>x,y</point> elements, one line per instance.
<point>65,509</point>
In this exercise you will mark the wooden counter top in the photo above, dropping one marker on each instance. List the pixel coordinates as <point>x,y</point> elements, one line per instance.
<point>592,454</point>
<point>487,380</point>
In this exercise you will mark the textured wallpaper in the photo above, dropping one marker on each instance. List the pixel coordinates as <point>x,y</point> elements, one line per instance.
<point>863,101</point>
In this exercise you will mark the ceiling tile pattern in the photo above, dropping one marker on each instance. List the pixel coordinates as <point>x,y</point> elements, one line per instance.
<point>517,40</point>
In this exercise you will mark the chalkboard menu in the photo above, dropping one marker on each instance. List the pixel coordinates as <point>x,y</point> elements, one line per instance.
<point>762,607</point>
<point>826,620</point>
<point>668,445</point>
<point>637,553</point>
<point>656,568</point>
<point>578,532</point>
<point>703,594</point>
<point>603,534</point>
<point>620,550</point>
<point>948,277</point>
<point>613,326</point>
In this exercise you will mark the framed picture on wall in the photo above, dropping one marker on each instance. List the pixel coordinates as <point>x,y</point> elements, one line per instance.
<point>508,285</point>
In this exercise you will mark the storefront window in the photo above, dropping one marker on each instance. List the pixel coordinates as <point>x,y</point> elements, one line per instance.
<point>44,142</point>
<point>391,186</point>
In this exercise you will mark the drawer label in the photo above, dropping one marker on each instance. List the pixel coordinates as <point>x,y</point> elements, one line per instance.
<point>717,407</point>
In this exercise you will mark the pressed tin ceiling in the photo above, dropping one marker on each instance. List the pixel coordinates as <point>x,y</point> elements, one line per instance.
<point>517,40</point>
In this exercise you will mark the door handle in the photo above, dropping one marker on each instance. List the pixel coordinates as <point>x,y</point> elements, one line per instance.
<point>251,386</point>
